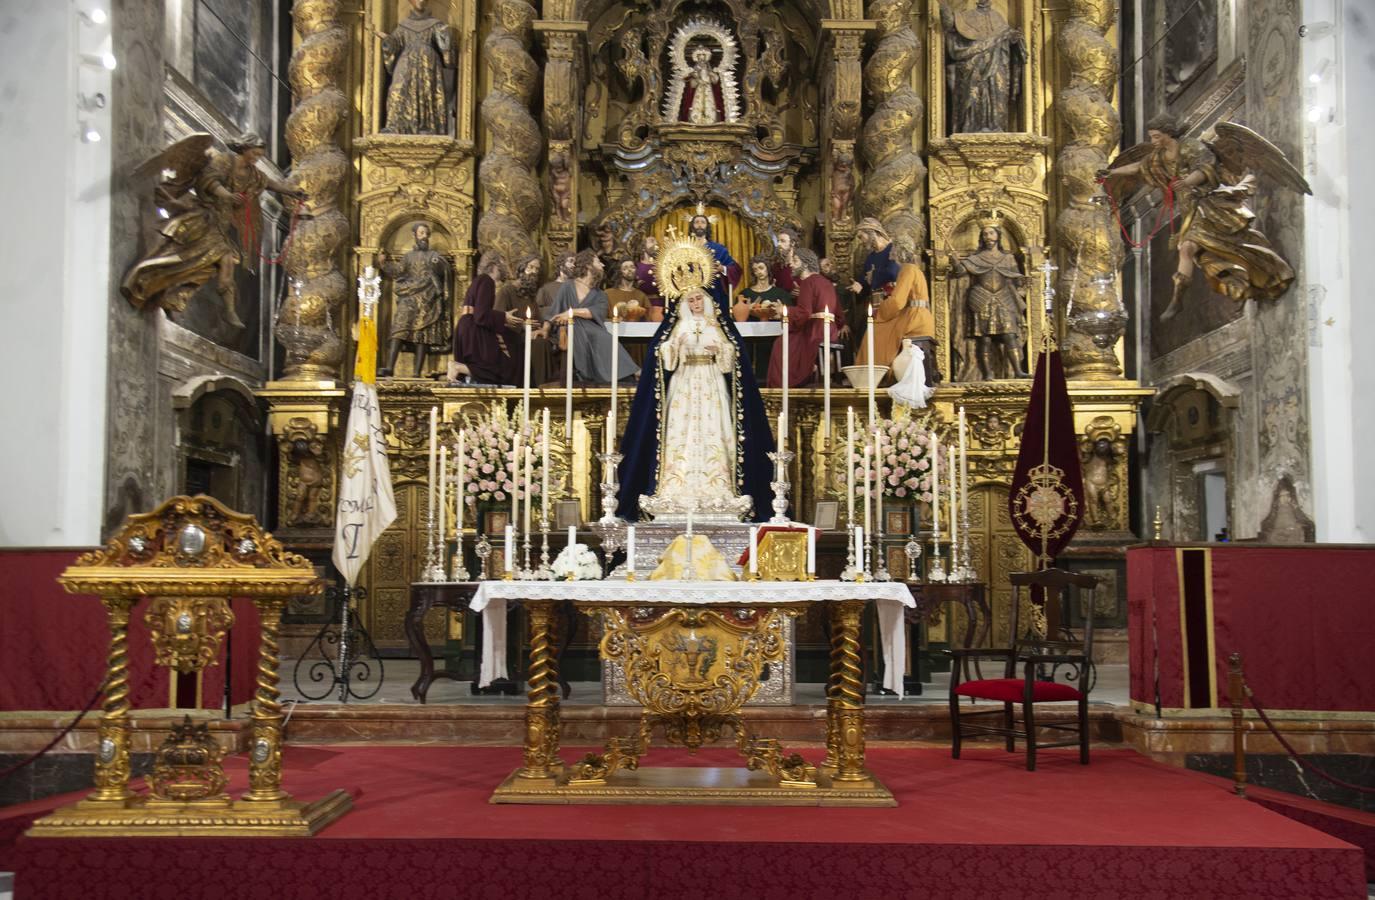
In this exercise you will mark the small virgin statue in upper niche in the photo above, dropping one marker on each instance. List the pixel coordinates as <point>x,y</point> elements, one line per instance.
<point>702,93</point>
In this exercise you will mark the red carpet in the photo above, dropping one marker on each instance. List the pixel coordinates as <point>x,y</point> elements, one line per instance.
<point>980,827</point>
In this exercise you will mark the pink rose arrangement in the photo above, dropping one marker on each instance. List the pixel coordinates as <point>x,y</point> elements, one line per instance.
<point>903,463</point>
<point>489,443</point>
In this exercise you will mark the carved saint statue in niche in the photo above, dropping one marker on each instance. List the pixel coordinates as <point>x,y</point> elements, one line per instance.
<point>702,90</point>
<point>420,56</point>
<point>988,308</point>
<point>984,60</point>
<point>421,288</point>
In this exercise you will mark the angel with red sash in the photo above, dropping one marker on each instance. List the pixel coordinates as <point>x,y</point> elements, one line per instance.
<point>1208,184</point>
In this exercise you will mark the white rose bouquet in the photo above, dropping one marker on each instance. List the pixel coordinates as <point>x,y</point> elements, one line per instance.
<point>577,563</point>
<point>902,465</point>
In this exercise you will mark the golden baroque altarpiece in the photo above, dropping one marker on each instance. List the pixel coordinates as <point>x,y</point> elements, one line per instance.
<point>570,115</point>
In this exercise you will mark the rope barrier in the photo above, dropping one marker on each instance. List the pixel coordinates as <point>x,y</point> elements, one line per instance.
<point>1239,689</point>
<point>100,691</point>
<point>1164,217</point>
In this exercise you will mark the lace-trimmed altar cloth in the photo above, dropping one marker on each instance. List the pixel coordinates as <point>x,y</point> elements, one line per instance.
<point>889,598</point>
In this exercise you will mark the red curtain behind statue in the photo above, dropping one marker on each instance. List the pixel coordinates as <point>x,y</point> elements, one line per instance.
<point>53,644</point>
<point>1300,618</point>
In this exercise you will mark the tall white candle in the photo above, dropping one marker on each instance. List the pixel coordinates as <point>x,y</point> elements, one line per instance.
<point>515,483</point>
<point>460,489</point>
<point>811,551</point>
<point>785,360</point>
<point>544,468</point>
<point>615,378</point>
<point>443,495</point>
<point>868,506</point>
<point>849,465</point>
<point>525,388</point>
<point>826,379</point>
<point>630,549</point>
<point>954,499</point>
<point>434,432</point>
<point>510,548</point>
<point>754,550</point>
<point>568,391</point>
<point>782,434</point>
<point>859,548</point>
<point>935,486</point>
<point>964,467</point>
<point>572,535</point>
<point>879,483</point>
<point>869,338</point>
<point>529,476</point>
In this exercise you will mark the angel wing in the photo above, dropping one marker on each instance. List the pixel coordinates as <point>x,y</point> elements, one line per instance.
<point>177,166</point>
<point>1240,150</point>
<point>1120,185</point>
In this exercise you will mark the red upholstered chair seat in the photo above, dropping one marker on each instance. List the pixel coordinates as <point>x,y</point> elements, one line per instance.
<point>1013,690</point>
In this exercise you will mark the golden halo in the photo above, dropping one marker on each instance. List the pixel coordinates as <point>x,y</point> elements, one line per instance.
<point>684,263</point>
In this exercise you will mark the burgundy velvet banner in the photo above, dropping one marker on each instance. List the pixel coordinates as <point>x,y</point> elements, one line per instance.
<point>1299,616</point>
<point>53,644</point>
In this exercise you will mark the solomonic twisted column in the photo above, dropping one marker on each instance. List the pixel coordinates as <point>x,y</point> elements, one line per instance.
<point>896,172</point>
<point>515,202</point>
<point>1089,248</point>
<point>305,323</point>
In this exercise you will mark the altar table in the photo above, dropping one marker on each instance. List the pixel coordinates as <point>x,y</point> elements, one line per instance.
<point>692,653</point>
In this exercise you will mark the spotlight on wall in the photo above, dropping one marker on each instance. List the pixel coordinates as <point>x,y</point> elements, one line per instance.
<point>1317,113</point>
<point>1318,74</point>
<point>89,134</point>
<point>101,60</point>
<point>91,102</point>
<point>1316,30</point>
<point>95,16</point>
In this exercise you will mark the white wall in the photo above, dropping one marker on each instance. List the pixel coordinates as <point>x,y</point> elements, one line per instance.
<point>54,274</point>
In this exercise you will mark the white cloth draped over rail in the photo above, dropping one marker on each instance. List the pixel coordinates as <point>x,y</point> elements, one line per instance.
<point>889,599</point>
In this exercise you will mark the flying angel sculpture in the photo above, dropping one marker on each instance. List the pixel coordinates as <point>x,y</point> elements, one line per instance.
<point>1208,184</point>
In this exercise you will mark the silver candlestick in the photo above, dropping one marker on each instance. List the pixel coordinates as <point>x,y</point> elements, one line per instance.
<point>851,571</point>
<point>544,572</point>
<point>610,486</point>
<point>458,568</point>
<point>937,571</point>
<point>879,565</point>
<point>781,486</point>
<point>434,566</point>
<point>966,570</point>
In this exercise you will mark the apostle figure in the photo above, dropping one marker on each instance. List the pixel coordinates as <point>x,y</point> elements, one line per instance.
<point>517,296</point>
<point>700,227</point>
<point>419,54</point>
<point>762,301</point>
<point>643,444</point>
<point>583,300</point>
<point>485,352</point>
<point>420,288</point>
<point>626,294</point>
<point>879,269</point>
<point>983,70</point>
<point>781,266</point>
<point>697,460</point>
<point>987,306</point>
<point>645,280</point>
<point>563,268</point>
<point>702,100</point>
<point>904,313</point>
<point>815,299</point>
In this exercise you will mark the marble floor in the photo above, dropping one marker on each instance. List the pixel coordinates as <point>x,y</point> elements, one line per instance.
<point>400,674</point>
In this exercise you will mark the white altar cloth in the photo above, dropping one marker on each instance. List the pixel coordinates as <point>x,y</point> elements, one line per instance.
<point>889,598</point>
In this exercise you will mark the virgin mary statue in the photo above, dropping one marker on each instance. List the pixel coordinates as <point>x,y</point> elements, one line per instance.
<point>697,438</point>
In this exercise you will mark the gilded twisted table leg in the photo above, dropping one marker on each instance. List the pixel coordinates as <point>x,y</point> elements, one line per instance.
<point>832,681</point>
<point>542,705</point>
<point>265,745</point>
<point>849,696</point>
<point>112,756</point>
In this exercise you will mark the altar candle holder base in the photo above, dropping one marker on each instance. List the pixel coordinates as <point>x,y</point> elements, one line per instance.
<point>781,487</point>
<point>851,571</point>
<point>937,573</point>
<point>879,565</point>
<point>458,571</point>
<point>610,486</point>
<point>545,572</point>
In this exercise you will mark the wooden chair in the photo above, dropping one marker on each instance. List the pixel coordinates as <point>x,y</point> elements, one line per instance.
<point>1037,656</point>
